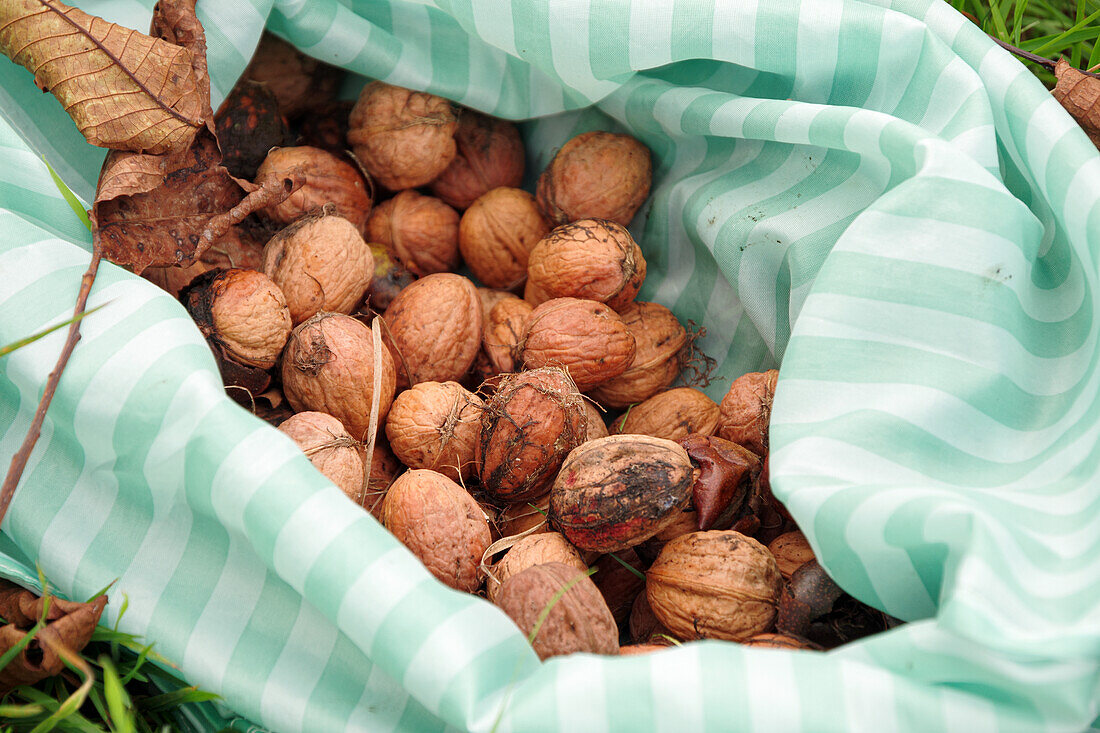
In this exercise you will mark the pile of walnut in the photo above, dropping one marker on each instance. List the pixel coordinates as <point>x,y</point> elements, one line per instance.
<point>492,396</point>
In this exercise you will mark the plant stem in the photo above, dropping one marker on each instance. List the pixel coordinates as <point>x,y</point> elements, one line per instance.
<point>1041,60</point>
<point>19,460</point>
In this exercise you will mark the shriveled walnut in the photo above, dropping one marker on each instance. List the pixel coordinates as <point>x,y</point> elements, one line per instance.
<point>436,425</point>
<point>243,312</point>
<point>498,232</point>
<point>321,263</point>
<point>490,155</point>
<point>403,138</point>
<point>596,175</point>
<point>747,408</point>
<point>421,231</point>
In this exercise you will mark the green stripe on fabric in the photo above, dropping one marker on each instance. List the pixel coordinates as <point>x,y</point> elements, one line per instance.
<point>258,649</point>
<point>609,53</point>
<point>691,24</point>
<point>342,560</point>
<point>337,692</point>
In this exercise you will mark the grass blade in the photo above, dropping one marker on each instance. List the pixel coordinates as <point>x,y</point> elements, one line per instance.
<point>628,566</point>
<point>175,698</point>
<point>118,701</point>
<point>70,197</point>
<point>15,345</point>
<point>554,601</point>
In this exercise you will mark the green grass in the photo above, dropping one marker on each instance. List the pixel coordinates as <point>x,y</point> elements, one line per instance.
<point>1049,28</point>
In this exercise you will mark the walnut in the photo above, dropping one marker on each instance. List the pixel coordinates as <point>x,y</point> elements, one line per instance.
<point>330,448</point>
<point>321,263</point>
<point>490,155</point>
<point>661,350</point>
<point>241,311</point>
<point>791,551</point>
<point>532,550</point>
<point>498,232</point>
<point>326,180</point>
<point>596,175</point>
<point>436,425</point>
<point>503,332</point>
<point>746,410</point>
<point>673,414</point>
<point>421,231</point>
<point>298,81</point>
<point>586,338</point>
<point>403,138</point>
<point>591,258</point>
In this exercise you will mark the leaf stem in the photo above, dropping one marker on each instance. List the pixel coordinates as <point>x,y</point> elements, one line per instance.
<point>19,460</point>
<point>1041,60</point>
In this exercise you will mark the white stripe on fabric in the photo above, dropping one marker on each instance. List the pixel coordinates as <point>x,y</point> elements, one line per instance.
<point>380,587</point>
<point>733,32</point>
<point>494,24</point>
<point>152,569</point>
<point>898,53</point>
<point>243,472</point>
<point>677,671</point>
<point>771,675</point>
<point>464,636</point>
<point>978,143</point>
<point>234,19</point>
<point>650,33</point>
<point>303,659</point>
<point>380,706</point>
<point>25,265</point>
<point>842,462</point>
<point>953,87</point>
<point>225,616</point>
<point>580,695</point>
<point>868,698</point>
<point>816,50</point>
<point>309,530</point>
<point>568,27</point>
<point>1077,209</point>
<point>944,20</point>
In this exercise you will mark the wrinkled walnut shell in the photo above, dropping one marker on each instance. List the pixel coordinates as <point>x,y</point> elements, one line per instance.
<point>384,468</point>
<point>441,524</point>
<point>421,231</point>
<point>404,139</point>
<point>321,263</point>
<point>521,516</point>
<point>325,180</point>
<point>781,641</point>
<point>596,175</point>
<point>434,329</point>
<point>503,332</point>
<point>297,81</point>
<point>578,622</point>
<point>596,426</point>
<point>644,626</point>
<point>243,312</point>
<point>436,425</point>
<point>586,338</point>
<point>746,410</point>
<point>536,549</point>
<point>672,415</point>
<point>330,448</point>
<point>328,366</point>
<point>714,585</point>
<point>490,155</point>
<point>658,359</point>
<point>593,259</point>
<point>528,427</point>
<point>791,551</point>
<point>615,492</point>
<point>497,234</point>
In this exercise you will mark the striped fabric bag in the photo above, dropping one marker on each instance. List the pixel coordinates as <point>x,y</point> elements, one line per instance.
<point>869,194</point>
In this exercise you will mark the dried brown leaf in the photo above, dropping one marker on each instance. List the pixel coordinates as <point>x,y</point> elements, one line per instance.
<point>69,624</point>
<point>1079,93</point>
<point>124,90</point>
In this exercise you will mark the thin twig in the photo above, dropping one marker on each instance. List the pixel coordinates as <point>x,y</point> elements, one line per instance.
<point>19,460</point>
<point>1046,63</point>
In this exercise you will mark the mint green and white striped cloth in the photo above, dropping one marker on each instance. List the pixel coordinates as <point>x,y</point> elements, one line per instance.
<point>868,193</point>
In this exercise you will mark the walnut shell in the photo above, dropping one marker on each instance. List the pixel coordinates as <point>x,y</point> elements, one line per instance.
<point>321,263</point>
<point>498,232</point>
<point>390,277</point>
<point>596,175</point>
<point>436,425</point>
<point>330,448</point>
<point>781,641</point>
<point>643,624</point>
<point>615,492</point>
<point>714,585</point>
<point>617,584</point>
<point>630,649</point>
<point>403,138</point>
<point>298,81</point>
<point>578,622</point>
<point>434,329</point>
<point>528,427</point>
<point>421,231</point>
<point>661,349</point>
<point>791,551</point>
<point>243,311</point>
<point>490,155</point>
<point>594,259</point>
<point>502,334</point>
<point>673,414</point>
<point>532,550</point>
<point>746,410</point>
<point>596,426</point>
<point>534,295</point>
<point>441,524</point>
<point>328,366</point>
<point>384,468</point>
<point>326,179</point>
<point>584,337</point>
<point>521,516</point>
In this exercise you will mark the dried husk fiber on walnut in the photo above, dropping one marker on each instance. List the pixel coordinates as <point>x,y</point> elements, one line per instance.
<point>615,492</point>
<point>321,263</point>
<point>528,427</point>
<point>497,233</point>
<point>441,524</point>
<point>661,350</point>
<point>535,549</point>
<point>404,139</point>
<point>433,329</point>
<point>328,366</point>
<point>330,448</point>
<point>586,338</point>
<point>421,231</point>
<point>746,410</point>
<point>325,178</point>
<point>436,425</point>
<point>594,259</point>
<point>241,311</point>
<point>714,585</point>
<point>489,155</point>
<point>578,622</point>
<point>673,414</point>
<point>596,175</point>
